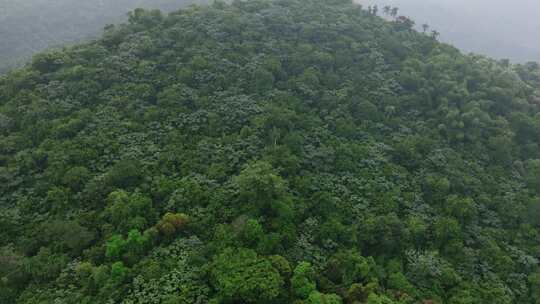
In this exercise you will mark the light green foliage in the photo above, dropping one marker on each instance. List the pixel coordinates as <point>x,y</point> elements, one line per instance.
<point>321,298</point>
<point>302,281</point>
<point>398,281</point>
<point>252,232</point>
<point>126,211</point>
<point>118,272</point>
<point>115,245</point>
<point>348,267</point>
<point>131,248</point>
<point>379,299</point>
<point>281,265</point>
<point>241,275</point>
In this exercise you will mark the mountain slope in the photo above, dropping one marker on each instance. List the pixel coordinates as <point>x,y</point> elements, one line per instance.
<point>287,151</point>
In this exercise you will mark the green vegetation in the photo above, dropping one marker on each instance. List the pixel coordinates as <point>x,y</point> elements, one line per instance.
<point>285,151</point>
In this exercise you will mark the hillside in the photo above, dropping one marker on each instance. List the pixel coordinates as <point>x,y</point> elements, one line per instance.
<point>30,26</point>
<point>269,151</point>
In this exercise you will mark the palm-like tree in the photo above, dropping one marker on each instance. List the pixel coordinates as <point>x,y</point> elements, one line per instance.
<point>425,27</point>
<point>394,12</point>
<point>435,34</point>
<point>387,9</point>
<point>375,10</point>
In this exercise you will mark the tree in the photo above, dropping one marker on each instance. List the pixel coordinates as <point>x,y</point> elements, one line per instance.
<point>532,174</point>
<point>76,177</point>
<point>405,22</point>
<point>375,10</point>
<point>348,267</point>
<point>126,211</point>
<point>263,190</point>
<point>172,223</point>
<point>45,266</point>
<point>303,280</point>
<point>241,275</point>
<point>534,281</point>
<point>531,214</point>
<point>425,27</point>
<point>48,62</point>
<point>118,272</point>
<point>131,248</point>
<point>115,247</point>
<point>394,12</point>
<point>321,298</point>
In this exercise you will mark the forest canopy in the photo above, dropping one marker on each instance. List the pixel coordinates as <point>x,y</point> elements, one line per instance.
<point>269,151</point>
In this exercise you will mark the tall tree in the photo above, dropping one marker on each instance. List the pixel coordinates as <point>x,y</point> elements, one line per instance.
<point>387,9</point>
<point>394,12</point>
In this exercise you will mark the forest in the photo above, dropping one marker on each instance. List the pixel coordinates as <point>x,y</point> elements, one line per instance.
<point>269,151</point>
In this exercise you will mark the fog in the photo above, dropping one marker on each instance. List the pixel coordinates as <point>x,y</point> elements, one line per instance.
<point>498,28</point>
<point>30,26</point>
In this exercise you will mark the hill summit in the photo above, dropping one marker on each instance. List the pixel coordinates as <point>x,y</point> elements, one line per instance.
<point>285,151</point>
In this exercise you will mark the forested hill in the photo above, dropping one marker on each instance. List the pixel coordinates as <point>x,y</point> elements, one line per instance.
<point>31,26</point>
<point>286,151</point>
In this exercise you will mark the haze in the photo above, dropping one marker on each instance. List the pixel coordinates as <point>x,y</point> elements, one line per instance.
<point>30,26</point>
<point>497,28</point>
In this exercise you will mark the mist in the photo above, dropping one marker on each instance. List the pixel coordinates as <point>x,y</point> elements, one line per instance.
<point>31,26</point>
<point>496,28</point>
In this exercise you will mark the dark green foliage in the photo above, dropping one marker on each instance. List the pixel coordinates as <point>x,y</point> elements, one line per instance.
<point>269,151</point>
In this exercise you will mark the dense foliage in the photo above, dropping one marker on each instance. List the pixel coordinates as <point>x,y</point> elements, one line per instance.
<point>286,151</point>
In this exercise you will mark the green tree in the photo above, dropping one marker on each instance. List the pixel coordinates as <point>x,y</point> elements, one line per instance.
<point>534,281</point>
<point>303,280</point>
<point>242,275</point>
<point>321,298</point>
<point>126,211</point>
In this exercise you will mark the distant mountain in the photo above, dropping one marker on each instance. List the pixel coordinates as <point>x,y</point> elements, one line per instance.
<point>30,26</point>
<point>497,28</point>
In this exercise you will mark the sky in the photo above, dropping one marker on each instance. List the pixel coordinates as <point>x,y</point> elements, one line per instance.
<point>497,28</point>
<point>30,26</point>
